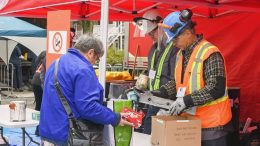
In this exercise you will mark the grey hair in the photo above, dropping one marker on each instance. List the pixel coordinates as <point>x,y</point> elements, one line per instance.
<point>87,42</point>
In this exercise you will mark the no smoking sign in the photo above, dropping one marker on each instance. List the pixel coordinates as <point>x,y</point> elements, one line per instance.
<point>57,42</point>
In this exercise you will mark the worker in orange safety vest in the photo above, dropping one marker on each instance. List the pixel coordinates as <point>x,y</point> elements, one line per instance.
<point>200,79</point>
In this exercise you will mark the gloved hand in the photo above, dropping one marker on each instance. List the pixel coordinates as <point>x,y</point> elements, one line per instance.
<point>142,82</point>
<point>138,90</point>
<point>163,112</point>
<point>177,107</point>
<point>160,93</point>
<point>130,94</point>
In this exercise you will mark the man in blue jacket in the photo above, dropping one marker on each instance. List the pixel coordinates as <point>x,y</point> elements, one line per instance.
<point>81,89</point>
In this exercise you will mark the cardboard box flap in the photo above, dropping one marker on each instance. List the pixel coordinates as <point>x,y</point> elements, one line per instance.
<point>174,118</point>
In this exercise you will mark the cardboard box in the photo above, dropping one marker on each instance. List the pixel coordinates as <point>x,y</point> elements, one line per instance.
<point>176,131</point>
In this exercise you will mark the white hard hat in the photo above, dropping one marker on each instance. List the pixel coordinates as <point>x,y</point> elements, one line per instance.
<point>149,21</point>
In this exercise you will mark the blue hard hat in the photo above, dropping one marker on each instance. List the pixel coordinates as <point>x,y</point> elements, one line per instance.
<point>173,20</point>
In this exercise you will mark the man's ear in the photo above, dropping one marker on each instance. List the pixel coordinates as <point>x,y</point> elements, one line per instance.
<point>91,52</point>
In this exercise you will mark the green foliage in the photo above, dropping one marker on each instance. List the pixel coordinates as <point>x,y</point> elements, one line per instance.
<point>87,25</point>
<point>114,56</point>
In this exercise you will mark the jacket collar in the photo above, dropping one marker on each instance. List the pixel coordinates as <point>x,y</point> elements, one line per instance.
<point>78,54</point>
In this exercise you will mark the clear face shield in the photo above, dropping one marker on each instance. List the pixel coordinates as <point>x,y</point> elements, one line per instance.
<point>148,27</point>
<point>161,38</point>
<point>143,26</point>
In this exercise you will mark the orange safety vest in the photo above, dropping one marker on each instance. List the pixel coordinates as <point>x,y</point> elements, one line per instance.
<point>214,113</point>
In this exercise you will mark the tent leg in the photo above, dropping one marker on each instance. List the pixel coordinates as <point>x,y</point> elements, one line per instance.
<point>104,28</point>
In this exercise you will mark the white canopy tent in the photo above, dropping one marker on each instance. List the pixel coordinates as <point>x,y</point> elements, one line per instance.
<point>14,31</point>
<point>7,44</point>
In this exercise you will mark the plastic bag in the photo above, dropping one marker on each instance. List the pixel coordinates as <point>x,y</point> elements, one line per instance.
<point>119,135</point>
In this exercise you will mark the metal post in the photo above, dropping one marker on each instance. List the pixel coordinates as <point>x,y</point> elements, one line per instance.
<point>126,53</point>
<point>4,74</point>
<point>12,78</point>
<point>1,70</point>
<point>23,132</point>
<point>104,29</point>
<point>7,65</point>
<point>2,135</point>
<point>31,139</point>
<point>121,34</point>
<point>11,95</point>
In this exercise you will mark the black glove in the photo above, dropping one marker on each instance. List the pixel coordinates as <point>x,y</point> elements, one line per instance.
<point>125,96</point>
<point>138,90</point>
<point>162,92</point>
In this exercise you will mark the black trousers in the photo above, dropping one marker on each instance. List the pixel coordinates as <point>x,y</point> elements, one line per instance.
<point>222,141</point>
<point>37,90</point>
<point>17,76</point>
<point>152,111</point>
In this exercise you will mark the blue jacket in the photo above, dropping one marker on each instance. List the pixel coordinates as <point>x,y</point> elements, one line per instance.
<point>83,92</point>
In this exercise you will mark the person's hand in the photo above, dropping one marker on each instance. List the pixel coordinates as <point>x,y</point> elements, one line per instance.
<point>138,90</point>
<point>160,93</point>
<point>38,70</point>
<point>131,95</point>
<point>142,82</point>
<point>21,57</point>
<point>177,107</point>
<point>123,120</point>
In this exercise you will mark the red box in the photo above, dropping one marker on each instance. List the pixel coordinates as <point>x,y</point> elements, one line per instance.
<point>134,117</point>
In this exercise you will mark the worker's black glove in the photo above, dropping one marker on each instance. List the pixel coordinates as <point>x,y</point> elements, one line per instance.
<point>162,92</point>
<point>138,90</point>
<point>131,94</point>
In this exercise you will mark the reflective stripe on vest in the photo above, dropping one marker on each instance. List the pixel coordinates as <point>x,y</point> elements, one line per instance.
<point>196,68</point>
<point>178,56</point>
<point>157,79</point>
<point>196,76</point>
<point>212,114</point>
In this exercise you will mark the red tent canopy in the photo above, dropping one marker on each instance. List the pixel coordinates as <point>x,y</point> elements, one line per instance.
<point>232,25</point>
<point>123,10</point>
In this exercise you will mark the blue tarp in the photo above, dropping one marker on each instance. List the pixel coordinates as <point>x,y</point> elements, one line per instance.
<point>14,136</point>
<point>11,26</point>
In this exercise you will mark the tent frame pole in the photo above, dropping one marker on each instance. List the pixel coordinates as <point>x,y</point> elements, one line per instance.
<point>104,29</point>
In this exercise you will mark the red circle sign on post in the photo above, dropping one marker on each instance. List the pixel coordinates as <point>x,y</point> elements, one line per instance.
<point>57,42</point>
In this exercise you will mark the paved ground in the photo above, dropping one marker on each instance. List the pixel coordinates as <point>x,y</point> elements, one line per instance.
<point>27,96</point>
